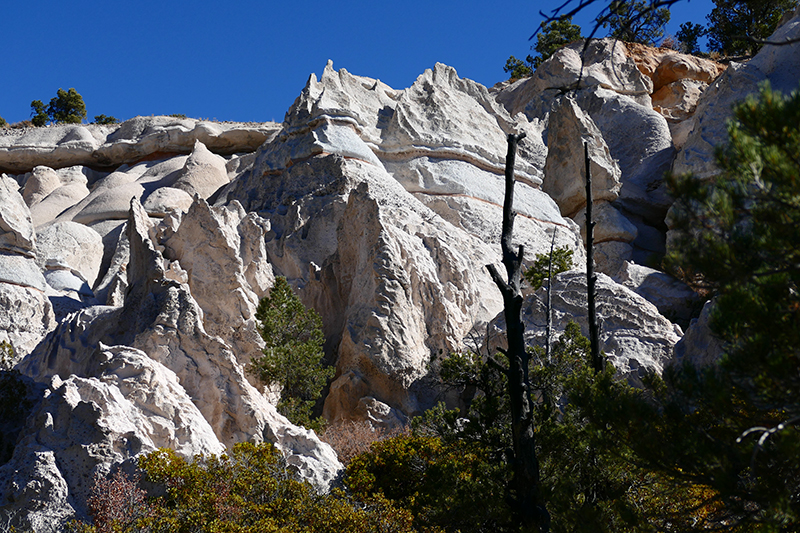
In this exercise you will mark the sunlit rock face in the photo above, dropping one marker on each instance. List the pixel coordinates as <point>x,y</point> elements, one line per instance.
<point>778,65</point>
<point>133,256</point>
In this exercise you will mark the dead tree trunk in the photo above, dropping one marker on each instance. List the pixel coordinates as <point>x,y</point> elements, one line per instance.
<point>525,500</point>
<point>591,278</point>
<point>549,308</point>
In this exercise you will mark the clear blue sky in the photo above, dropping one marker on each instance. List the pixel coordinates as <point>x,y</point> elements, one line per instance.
<point>247,60</point>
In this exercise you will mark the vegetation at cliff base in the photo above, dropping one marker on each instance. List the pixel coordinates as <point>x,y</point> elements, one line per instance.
<point>249,489</point>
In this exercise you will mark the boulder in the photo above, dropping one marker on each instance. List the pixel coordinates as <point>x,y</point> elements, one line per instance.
<point>677,101</point>
<point>78,246</point>
<point>700,346</point>
<point>16,227</point>
<point>111,196</point>
<point>64,280</point>
<point>635,337</point>
<point>673,298</point>
<point>161,201</point>
<point>640,141</point>
<point>610,224</point>
<point>58,201</point>
<point>665,66</point>
<point>609,255</point>
<point>600,63</point>
<point>27,317</point>
<point>20,270</point>
<point>41,182</point>
<point>565,170</point>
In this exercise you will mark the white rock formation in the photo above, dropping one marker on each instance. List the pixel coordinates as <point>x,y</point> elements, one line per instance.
<point>131,405</point>
<point>602,63</point>
<point>203,173</point>
<point>635,337</point>
<point>565,172</point>
<point>111,145</point>
<point>673,298</point>
<point>382,208</point>
<point>79,247</point>
<point>780,65</point>
<point>16,228</point>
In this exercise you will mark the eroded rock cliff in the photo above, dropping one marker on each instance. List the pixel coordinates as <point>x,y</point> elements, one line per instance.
<point>132,257</point>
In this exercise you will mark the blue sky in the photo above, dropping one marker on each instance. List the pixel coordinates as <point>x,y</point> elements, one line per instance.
<point>248,60</point>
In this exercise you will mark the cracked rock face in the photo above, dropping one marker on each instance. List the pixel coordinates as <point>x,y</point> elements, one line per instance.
<point>633,334</point>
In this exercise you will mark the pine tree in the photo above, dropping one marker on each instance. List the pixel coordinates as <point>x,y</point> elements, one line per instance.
<point>733,22</point>
<point>636,21</point>
<point>730,432</point>
<point>293,353</point>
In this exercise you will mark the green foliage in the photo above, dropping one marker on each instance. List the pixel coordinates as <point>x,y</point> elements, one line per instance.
<point>636,21</point>
<point>453,472</point>
<point>39,113</point>
<point>177,115</point>
<point>518,69</point>
<point>66,107</point>
<point>740,242</point>
<point>102,119</point>
<point>6,355</point>
<point>554,35</point>
<point>540,270</point>
<point>293,353</point>
<point>250,489</point>
<point>446,486</point>
<point>689,36</point>
<point>3,123</point>
<point>732,22</point>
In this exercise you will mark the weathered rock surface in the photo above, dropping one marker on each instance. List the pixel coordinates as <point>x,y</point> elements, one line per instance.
<point>603,63</point>
<point>213,404</point>
<point>26,317</point>
<point>203,173</point>
<point>224,257</point>
<point>673,298</point>
<point>633,334</point>
<point>700,346</point>
<point>78,246</point>
<point>780,65</point>
<point>565,172</point>
<point>16,227</point>
<point>391,287</point>
<point>130,405</point>
<point>97,145</point>
<point>665,66</point>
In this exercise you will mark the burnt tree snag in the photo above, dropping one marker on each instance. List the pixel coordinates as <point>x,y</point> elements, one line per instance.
<point>524,493</point>
<point>591,279</point>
